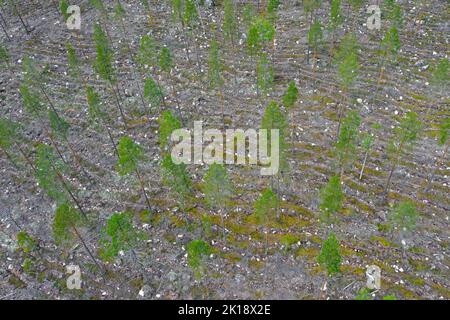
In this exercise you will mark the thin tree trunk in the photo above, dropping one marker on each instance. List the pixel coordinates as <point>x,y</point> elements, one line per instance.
<point>87,248</point>
<point>364,164</point>
<point>141,182</point>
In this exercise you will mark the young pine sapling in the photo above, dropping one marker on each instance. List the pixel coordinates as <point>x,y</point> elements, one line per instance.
<point>218,190</point>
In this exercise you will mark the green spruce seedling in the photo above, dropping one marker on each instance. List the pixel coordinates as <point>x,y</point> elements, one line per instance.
<point>130,154</point>
<point>218,190</point>
<point>264,76</point>
<point>336,19</point>
<point>330,257</point>
<point>315,36</point>
<point>331,198</point>
<point>367,144</point>
<point>49,174</point>
<point>104,66</point>
<point>265,209</point>
<point>119,234</point>
<point>26,242</point>
<point>390,45</point>
<point>230,24</point>
<point>348,140</point>
<point>167,124</point>
<point>404,217</point>
<point>443,134</point>
<point>348,66</point>
<point>177,179</point>
<point>197,250</point>
<point>73,61</point>
<point>215,70</point>
<point>63,6</point>
<point>65,224</point>
<point>274,118</point>
<point>166,65</point>
<point>405,136</point>
<point>153,93</point>
<point>8,136</point>
<point>4,56</point>
<point>289,99</point>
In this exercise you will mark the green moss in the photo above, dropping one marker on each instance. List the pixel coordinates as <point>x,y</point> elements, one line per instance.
<point>16,282</point>
<point>255,264</point>
<point>309,253</point>
<point>231,256</point>
<point>383,241</point>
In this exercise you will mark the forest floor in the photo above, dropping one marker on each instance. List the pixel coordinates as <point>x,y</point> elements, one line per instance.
<point>413,265</point>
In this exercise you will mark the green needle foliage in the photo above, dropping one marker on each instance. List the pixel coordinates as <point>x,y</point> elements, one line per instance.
<point>197,250</point>
<point>96,115</point>
<point>261,33</point>
<point>265,207</point>
<point>347,60</point>
<point>119,11</point>
<point>8,133</point>
<point>130,154</point>
<point>98,5</point>
<point>364,294</point>
<point>167,124</point>
<point>331,198</point>
<point>4,55</point>
<point>315,35</point>
<point>63,6</point>
<point>274,118</point>
<point>349,45</point>
<point>103,61</point>
<point>153,93</point>
<point>348,70</point>
<point>253,45</point>
<point>65,220</point>
<point>264,72</point>
<point>26,243</point>
<point>330,257</point>
<point>367,143</point>
<point>215,66</point>
<point>218,189</point>
<point>390,43</point>
<point>119,234</point>
<point>336,17</point>
<point>147,54</point>
<point>248,14</point>
<point>73,61</point>
<point>31,101</point>
<point>404,216</point>
<point>291,95</point>
<point>440,78</point>
<point>348,140</point>
<point>177,10</point>
<point>165,60</point>
<point>444,129</point>
<point>272,7</point>
<point>405,136</point>
<point>48,168</point>
<point>177,179</point>
<point>31,74</point>
<point>59,126</point>
<point>230,25</point>
<point>190,15</point>
<point>396,16</point>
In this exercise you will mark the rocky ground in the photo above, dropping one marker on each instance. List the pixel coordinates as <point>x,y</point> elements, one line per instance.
<point>240,267</point>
